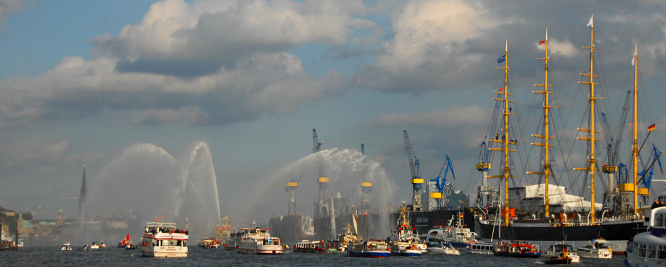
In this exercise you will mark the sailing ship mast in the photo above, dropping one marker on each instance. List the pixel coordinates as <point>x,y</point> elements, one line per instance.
<point>591,168</point>
<point>505,136</point>
<point>546,133</point>
<point>635,148</point>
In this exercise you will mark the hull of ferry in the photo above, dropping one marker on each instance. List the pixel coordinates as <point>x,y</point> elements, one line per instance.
<point>252,247</point>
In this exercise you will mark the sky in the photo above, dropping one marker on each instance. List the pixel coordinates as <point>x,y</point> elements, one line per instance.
<point>86,82</point>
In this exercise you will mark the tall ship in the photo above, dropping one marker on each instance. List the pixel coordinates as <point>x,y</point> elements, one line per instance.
<point>545,212</point>
<point>164,240</point>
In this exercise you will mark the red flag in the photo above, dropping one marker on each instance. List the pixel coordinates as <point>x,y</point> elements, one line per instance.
<point>501,89</point>
<point>155,218</point>
<point>542,42</point>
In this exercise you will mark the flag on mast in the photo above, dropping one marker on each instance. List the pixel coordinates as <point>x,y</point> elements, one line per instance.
<point>633,59</point>
<point>652,127</point>
<point>501,59</point>
<point>590,23</point>
<point>542,42</point>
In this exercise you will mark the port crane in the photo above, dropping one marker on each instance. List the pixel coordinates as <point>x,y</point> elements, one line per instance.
<point>322,207</point>
<point>441,181</point>
<point>416,180</point>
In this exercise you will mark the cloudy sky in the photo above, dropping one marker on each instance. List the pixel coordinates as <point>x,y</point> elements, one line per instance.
<point>83,82</point>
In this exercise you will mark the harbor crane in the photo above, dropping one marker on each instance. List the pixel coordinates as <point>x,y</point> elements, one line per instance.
<point>440,182</point>
<point>416,180</point>
<point>322,207</point>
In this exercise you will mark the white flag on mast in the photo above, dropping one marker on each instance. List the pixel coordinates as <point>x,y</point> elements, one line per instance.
<point>590,23</point>
<point>633,59</point>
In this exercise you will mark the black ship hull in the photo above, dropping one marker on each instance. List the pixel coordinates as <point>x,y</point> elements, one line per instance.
<point>621,230</point>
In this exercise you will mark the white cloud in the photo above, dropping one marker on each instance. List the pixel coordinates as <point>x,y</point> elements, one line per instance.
<point>209,34</point>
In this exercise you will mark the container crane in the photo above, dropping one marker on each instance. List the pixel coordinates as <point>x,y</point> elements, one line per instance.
<point>416,180</point>
<point>440,182</point>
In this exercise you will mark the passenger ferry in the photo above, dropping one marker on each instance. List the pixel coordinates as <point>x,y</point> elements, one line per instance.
<point>164,240</point>
<point>649,248</point>
<point>370,248</point>
<point>259,241</point>
<point>516,248</point>
<point>481,248</point>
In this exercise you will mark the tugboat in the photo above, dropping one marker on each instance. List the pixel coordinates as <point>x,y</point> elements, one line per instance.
<point>560,254</point>
<point>164,240</point>
<point>259,241</point>
<point>404,237</point>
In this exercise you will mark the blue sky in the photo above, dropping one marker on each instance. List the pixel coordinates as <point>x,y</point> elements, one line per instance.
<point>83,81</point>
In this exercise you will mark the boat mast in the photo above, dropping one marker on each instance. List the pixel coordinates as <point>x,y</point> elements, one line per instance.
<point>590,139</point>
<point>505,136</point>
<point>546,134</point>
<point>635,148</point>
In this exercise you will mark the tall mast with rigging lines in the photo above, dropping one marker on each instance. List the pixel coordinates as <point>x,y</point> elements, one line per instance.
<point>546,133</point>
<point>635,149</point>
<point>505,137</point>
<point>591,167</point>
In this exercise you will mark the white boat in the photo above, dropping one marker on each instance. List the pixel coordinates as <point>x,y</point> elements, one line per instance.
<point>66,246</point>
<point>259,241</point>
<point>597,248</point>
<point>404,249</point>
<point>164,240</point>
<point>457,235</point>
<point>481,248</point>
<point>442,248</point>
<point>94,246</point>
<point>560,254</point>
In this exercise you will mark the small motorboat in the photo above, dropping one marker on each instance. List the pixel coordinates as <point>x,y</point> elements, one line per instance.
<point>66,246</point>
<point>442,248</point>
<point>561,254</point>
<point>94,246</point>
<point>102,245</point>
<point>85,247</point>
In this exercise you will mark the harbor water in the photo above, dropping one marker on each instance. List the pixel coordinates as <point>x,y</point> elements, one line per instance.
<point>53,256</point>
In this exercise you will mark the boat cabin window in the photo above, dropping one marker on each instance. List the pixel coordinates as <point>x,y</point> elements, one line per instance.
<point>155,244</point>
<point>651,251</point>
<point>659,220</point>
<point>641,250</point>
<point>603,245</point>
<point>662,253</point>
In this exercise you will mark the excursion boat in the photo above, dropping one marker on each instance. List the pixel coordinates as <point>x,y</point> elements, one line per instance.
<point>66,246</point>
<point>259,241</point>
<point>515,248</point>
<point>164,240</point>
<point>306,246</point>
<point>649,248</point>
<point>442,248</point>
<point>560,254</point>
<point>370,249</point>
<point>481,248</point>
<point>597,248</point>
